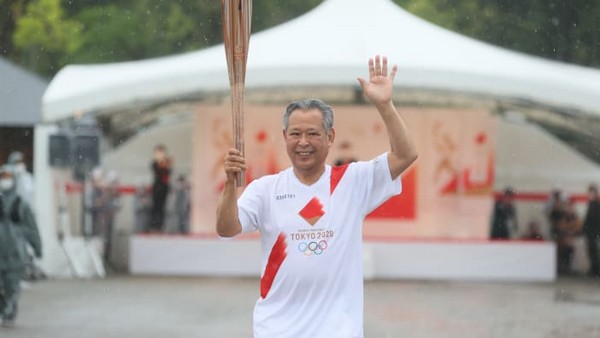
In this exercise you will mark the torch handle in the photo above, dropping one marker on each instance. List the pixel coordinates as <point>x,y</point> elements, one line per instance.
<point>237,107</point>
<point>237,19</point>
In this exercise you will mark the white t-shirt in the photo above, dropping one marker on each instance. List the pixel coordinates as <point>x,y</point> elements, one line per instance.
<point>311,238</point>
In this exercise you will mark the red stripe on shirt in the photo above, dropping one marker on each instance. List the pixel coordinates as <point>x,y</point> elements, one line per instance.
<point>277,256</point>
<point>336,176</point>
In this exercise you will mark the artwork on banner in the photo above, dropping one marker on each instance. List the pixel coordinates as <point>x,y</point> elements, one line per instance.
<point>464,159</point>
<point>446,193</point>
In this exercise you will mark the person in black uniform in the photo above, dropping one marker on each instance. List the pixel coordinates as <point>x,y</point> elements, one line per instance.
<point>161,169</point>
<point>591,229</point>
<point>504,218</point>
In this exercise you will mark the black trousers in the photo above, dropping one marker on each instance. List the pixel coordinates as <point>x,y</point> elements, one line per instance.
<point>159,199</point>
<point>592,246</point>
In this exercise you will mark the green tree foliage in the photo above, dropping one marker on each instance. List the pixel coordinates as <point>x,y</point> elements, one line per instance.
<point>150,28</point>
<point>51,33</point>
<point>268,13</point>
<point>72,7</point>
<point>10,12</point>
<point>556,29</point>
<point>44,37</point>
<point>56,32</point>
<point>139,31</point>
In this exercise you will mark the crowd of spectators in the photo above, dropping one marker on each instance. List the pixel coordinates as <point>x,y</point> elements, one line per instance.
<point>566,226</point>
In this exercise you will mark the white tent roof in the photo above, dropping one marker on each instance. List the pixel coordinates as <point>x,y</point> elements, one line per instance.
<point>330,46</point>
<point>531,159</point>
<point>20,95</point>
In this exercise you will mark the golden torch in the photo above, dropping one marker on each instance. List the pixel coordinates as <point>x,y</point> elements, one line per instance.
<point>237,17</point>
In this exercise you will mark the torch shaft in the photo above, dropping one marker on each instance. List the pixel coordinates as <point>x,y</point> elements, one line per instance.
<point>237,15</point>
<point>237,108</point>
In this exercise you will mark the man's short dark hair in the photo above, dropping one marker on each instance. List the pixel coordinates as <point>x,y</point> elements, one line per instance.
<point>309,104</point>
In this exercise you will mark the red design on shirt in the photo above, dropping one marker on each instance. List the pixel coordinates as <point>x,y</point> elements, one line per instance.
<point>277,256</point>
<point>313,211</point>
<point>336,176</point>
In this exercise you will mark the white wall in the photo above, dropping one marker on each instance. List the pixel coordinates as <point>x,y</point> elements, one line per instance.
<point>459,260</point>
<point>53,260</point>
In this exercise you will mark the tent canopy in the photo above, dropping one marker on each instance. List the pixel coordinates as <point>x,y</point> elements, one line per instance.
<point>531,159</point>
<point>20,95</point>
<point>330,46</point>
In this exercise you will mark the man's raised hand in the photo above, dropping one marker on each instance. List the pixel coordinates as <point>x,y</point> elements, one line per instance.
<point>379,88</point>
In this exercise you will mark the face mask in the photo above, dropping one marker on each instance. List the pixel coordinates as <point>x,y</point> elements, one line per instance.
<point>20,168</point>
<point>6,183</point>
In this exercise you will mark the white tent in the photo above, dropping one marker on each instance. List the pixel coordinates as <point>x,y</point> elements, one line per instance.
<point>531,159</point>
<point>330,46</point>
<point>20,95</point>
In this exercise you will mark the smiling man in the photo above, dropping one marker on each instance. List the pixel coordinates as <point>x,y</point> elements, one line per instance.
<point>310,217</point>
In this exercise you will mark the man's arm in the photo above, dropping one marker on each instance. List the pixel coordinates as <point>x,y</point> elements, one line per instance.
<point>32,234</point>
<point>228,223</point>
<point>379,90</point>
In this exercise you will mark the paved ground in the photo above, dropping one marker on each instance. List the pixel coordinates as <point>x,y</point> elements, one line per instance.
<point>122,306</point>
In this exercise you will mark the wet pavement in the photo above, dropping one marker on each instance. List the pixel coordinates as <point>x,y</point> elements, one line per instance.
<point>124,306</point>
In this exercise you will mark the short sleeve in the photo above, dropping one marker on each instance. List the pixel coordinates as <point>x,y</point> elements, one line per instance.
<point>382,186</point>
<point>250,206</point>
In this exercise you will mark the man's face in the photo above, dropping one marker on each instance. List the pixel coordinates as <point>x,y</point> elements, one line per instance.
<point>159,154</point>
<point>6,181</point>
<point>306,141</point>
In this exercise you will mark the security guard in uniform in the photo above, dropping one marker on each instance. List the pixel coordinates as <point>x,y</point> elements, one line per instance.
<point>17,229</point>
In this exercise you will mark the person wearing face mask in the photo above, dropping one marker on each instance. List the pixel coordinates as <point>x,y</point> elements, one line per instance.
<point>23,179</point>
<point>17,230</point>
<point>25,189</point>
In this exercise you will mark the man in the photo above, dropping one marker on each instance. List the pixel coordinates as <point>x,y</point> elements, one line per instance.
<point>25,189</point>
<point>182,204</point>
<point>161,169</point>
<point>504,218</point>
<point>310,217</point>
<point>112,207</point>
<point>17,228</point>
<point>591,228</point>
<point>24,179</point>
<point>554,209</point>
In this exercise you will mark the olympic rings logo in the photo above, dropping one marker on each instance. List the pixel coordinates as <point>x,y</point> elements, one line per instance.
<point>312,247</point>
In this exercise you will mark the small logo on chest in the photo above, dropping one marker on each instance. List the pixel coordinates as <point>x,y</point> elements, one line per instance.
<point>313,211</point>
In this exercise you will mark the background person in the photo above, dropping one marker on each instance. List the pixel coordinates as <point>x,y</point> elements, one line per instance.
<point>161,170</point>
<point>554,208</point>
<point>569,227</point>
<point>23,178</point>
<point>142,203</point>
<point>345,154</point>
<point>182,205</point>
<point>99,202</point>
<point>113,205</point>
<point>26,190</point>
<point>17,229</point>
<point>504,216</point>
<point>533,232</point>
<point>591,229</point>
